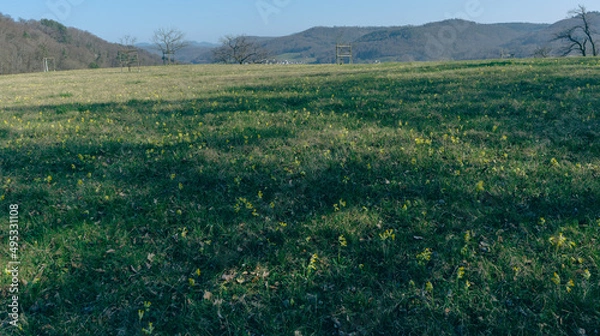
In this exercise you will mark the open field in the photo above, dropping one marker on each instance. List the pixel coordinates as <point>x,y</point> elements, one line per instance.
<point>416,199</point>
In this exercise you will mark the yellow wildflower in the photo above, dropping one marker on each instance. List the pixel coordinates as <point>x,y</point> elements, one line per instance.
<point>570,285</point>
<point>342,240</point>
<point>312,264</point>
<point>479,186</point>
<point>424,257</point>
<point>429,287</point>
<point>461,272</point>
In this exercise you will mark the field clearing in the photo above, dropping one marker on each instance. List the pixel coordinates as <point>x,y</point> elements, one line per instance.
<point>457,198</point>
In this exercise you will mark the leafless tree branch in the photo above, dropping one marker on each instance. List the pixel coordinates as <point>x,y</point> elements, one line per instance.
<point>579,38</point>
<point>239,50</point>
<point>169,41</point>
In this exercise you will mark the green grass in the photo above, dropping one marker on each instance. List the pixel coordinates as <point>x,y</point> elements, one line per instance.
<point>417,199</point>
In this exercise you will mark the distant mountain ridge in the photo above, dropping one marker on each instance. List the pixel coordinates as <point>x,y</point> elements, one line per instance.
<point>446,40</point>
<point>453,39</point>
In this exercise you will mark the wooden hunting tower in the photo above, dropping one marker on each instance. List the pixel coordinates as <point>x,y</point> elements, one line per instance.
<point>343,53</point>
<point>129,58</point>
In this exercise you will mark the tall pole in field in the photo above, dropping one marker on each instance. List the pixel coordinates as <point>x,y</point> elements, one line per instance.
<point>45,61</point>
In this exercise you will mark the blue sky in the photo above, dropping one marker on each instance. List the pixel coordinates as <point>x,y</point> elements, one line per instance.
<point>210,19</point>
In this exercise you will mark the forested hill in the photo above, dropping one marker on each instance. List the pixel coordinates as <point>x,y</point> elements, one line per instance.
<point>24,44</point>
<point>446,40</point>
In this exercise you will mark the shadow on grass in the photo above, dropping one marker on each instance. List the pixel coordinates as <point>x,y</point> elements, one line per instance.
<point>144,200</point>
<point>115,238</point>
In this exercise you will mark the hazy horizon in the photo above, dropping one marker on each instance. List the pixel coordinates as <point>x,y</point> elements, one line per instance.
<point>205,21</point>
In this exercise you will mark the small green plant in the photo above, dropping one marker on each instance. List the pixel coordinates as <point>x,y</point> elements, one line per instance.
<point>148,330</point>
<point>65,95</point>
<point>560,241</point>
<point>141,313</point>
<point>342,244</point>
<point>387,235</point>
<point>312,265</point>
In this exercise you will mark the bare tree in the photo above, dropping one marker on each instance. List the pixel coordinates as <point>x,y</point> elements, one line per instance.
<point>240,50</point>
<point>169,41</point>
<point>128,41</point>
<point>579,38</point>
<point>542,52</point>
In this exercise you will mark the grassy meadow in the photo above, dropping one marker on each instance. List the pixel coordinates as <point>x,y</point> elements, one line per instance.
<point>458,198</point>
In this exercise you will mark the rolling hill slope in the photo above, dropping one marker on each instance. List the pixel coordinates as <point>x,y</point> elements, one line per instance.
<point>23,45</point>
